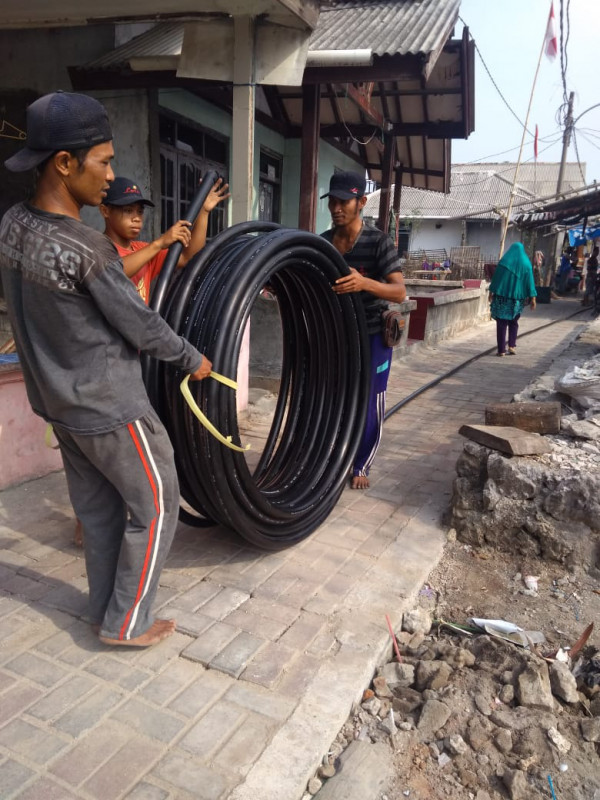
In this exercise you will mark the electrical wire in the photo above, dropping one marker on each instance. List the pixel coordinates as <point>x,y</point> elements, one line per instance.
<point>511,149</point>
<point>495,85</point>
<point>588,138</point>
<point>322,399</point>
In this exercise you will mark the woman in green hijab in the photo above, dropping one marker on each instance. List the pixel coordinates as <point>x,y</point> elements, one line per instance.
<point>511,288</point>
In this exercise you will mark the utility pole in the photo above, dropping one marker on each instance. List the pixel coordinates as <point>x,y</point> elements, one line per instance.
<point>566,142</point>
<point>561,174</point>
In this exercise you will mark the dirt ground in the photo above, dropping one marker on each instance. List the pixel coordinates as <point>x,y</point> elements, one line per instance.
<point>488,584</point>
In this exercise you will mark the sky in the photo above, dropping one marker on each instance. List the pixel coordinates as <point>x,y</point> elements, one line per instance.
<point>509,35</point>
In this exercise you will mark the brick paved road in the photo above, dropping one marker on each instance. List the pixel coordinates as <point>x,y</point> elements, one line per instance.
<point>271,649</point>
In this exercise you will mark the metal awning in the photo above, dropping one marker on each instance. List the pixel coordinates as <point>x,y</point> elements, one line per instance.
<point>418,88</point>
<point>63,13</point>
<point>578,206</point>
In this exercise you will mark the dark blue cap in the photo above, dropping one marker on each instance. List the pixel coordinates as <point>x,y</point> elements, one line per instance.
<point>125,192</point>
<point>346,185</point>
<point>60,121</point>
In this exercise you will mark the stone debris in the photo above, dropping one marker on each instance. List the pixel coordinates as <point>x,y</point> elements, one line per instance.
<point>417,621</point>
<point>533,687</point>
<point>590,729</point>
<point>563,745</point>
<point>563,682</point>
<point>489,718</point>
<point>552,514</point>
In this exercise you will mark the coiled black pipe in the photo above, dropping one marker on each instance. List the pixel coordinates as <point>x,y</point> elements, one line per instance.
<point>322,399</point>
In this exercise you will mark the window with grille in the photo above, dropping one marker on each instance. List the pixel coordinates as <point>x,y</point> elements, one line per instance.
<point>269,187</point>
<point>186,154</point>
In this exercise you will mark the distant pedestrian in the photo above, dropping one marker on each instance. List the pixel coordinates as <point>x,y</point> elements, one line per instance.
<point>539,261</point>
<point>511,288</point>
<point>590,277</point>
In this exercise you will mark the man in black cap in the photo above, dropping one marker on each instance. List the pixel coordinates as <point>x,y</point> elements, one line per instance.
<point>79,326</point>
<point>123,212</point>
<point>375,273</point>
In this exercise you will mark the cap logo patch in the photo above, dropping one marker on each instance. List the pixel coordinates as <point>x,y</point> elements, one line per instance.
<point>132,190</point>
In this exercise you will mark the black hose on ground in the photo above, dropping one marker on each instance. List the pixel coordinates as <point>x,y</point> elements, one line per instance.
<point>322,399</point>
<point>434,382</point>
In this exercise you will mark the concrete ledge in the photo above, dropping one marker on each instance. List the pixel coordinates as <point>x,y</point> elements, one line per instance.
<point>444,313</point>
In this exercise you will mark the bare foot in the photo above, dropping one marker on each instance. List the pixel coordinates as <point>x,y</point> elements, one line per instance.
<point>78,535</point>
<point>159,630</point>
<point>360,482</point>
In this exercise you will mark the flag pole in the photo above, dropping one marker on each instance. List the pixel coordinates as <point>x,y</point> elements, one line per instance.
<point>512,191</point>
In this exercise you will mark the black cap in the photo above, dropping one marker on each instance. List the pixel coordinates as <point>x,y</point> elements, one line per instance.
<point>346,185</point>
<point>125,192</point>
<point>60,121</point>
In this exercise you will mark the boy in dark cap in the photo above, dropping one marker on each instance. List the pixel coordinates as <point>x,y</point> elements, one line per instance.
<point>375,273</point>
<point>123,212</point>
<point>79,326</point>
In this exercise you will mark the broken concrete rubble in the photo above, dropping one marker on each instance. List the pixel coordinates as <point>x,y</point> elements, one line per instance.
<point>526,505</point>
<point>503,748</point>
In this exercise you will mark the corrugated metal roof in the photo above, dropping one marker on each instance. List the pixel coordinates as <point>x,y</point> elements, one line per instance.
<point>475,188</point>
<point>385,26</point>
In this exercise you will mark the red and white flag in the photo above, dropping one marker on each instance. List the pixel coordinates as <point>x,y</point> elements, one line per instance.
<point>551,42</point>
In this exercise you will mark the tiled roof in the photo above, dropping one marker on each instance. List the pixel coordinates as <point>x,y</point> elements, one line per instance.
<point>477,188</point>
<point>385,26</point>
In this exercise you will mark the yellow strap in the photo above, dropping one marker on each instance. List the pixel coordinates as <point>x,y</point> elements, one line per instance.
<point>48,437</point>
<point>223,379</point>
<point>185,391</point>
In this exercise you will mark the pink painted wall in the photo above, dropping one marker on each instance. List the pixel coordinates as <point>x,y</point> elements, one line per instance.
<point>23,452</point>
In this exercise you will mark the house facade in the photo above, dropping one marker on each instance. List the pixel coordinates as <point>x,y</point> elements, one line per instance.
<point>472,212</point>
<point>276,95</point>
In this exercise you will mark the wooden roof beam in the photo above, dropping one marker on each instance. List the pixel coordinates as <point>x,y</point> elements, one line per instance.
<point>364,104</point>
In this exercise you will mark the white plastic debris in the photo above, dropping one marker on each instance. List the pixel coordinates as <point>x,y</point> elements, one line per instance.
<point>501,625</point>
<point>582,382</point>
<point>531,582</point>
<point>563,767</point>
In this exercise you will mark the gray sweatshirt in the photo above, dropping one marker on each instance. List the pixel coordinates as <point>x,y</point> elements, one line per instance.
<point>79,323</point>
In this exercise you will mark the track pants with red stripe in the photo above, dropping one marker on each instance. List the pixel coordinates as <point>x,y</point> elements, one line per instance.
<point>123,487</point>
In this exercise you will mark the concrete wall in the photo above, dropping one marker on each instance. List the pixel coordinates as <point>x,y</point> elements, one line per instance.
<point>487,235</point>
<point>444,313</point>
<point>129,114</point>
<point>24,452</point>
<point>38,58</point>
<point>425,235</point>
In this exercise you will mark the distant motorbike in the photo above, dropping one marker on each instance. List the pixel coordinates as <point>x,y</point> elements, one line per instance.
<point>572,282</point>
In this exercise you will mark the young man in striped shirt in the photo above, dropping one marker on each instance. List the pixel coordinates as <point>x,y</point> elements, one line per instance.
<point>375,273</point>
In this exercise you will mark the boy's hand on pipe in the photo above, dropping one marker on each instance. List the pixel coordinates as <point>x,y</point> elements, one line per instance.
<point>180,232</point>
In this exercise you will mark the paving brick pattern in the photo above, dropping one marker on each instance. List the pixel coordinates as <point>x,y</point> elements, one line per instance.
<point>257,632</point>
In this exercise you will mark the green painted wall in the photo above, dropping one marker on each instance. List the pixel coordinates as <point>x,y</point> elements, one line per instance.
<point>209,116</point>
